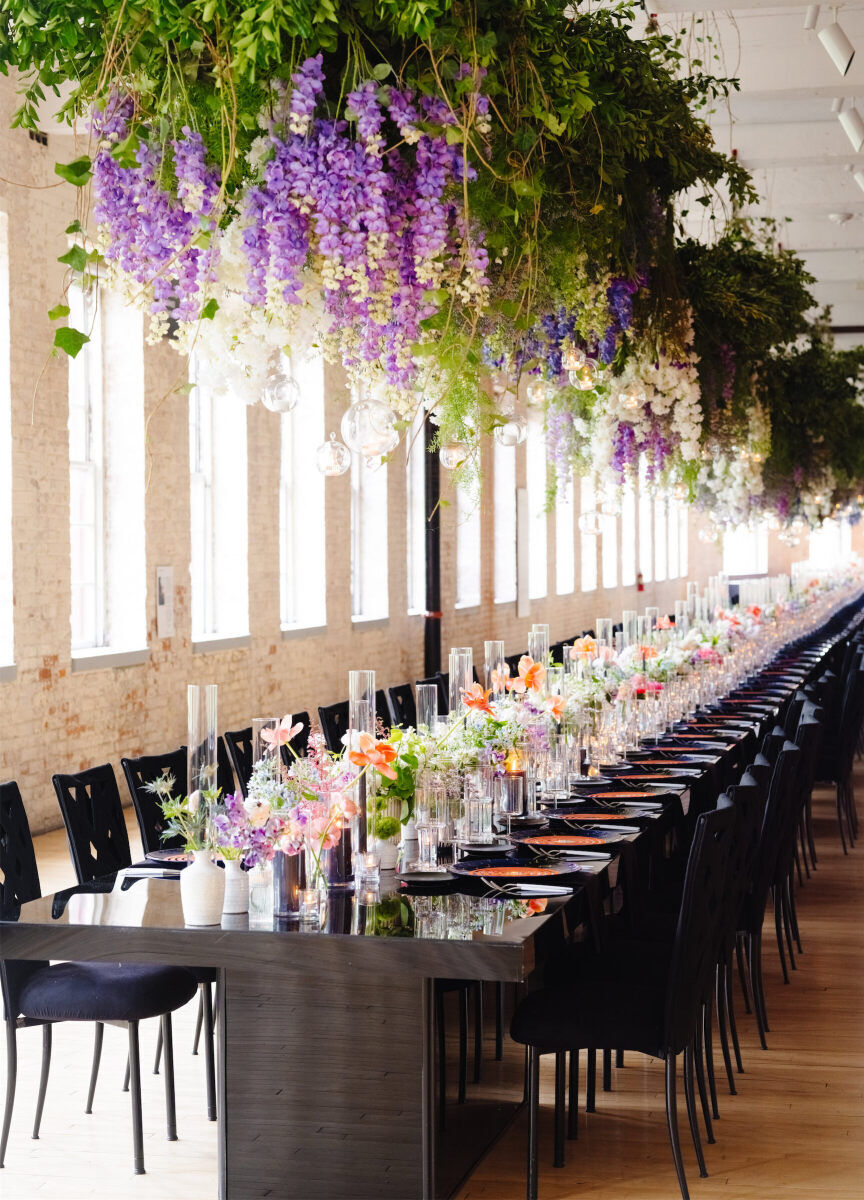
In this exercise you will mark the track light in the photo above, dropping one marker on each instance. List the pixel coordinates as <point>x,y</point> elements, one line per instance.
<point>838,46</point>
<point>858,176</point>
<point>853,127</point>
<point>811,16</point>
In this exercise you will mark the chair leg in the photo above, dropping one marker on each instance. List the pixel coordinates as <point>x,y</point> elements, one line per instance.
<point>708,1034</point>
<point>808,825</point>
<point>573,1107</point>
<point>755,956</point>
<point>199,1020</point>
<point>730,1011</point>
<point>742,974</point>
<point>619,1058</point>
<point>463,1045</point>
<point>158,1058</point>
<point>98,1033</point>
<point>532,1079</point>
<point>672,1124</point>
<point>499,1021</point>
<point>209,1061</point>
<point>696,1054</point>
<point>591,1082</point>
<point>560,1096</point>
<point>840,816</point>
<point>478,1030</point>
<point>689,1055</point>
<point>792,910</point>
<point>787,926</point>
<point>11,1080</point>
<point>442,1059</point>
<point>43,1079</point>
<point>798,864</point>
<point>170,1103</point>
<point>778,928</point>
<point>607,1070</point>
<point>720,1004</point>
<point>135,1088</point>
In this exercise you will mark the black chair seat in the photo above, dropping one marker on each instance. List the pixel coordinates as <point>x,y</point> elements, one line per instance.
<point>597,1014</point>
<point>105,992</point>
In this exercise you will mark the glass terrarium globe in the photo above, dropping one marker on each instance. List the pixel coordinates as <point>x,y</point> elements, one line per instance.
<point>281,391</point>
<point>538,391</point>
<point>512,433</point>
<point>584,378</point>
<point>572,358</point>
<point>369,428</point>
<point>632,397</point>
<point>452,455</point>
<point>590,523</point>
<point>332,457</point>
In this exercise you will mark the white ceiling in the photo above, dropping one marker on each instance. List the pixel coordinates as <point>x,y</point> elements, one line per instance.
<point>784,131</point>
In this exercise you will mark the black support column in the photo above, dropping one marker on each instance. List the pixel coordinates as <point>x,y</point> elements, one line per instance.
<point>432,624</point>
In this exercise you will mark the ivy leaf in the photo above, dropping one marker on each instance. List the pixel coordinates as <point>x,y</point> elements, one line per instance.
<point>70,340</point>
<point>58,311</point>
<point>75,227</point>
<point>77,172</point>
<point>76,258</point>
<point>208,312</point>
<point>380,71</point>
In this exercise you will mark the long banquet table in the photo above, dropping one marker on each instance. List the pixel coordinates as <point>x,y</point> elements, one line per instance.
<point>326,1059</point>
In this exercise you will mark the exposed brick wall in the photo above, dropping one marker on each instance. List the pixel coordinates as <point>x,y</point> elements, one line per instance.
<point>55,720</point>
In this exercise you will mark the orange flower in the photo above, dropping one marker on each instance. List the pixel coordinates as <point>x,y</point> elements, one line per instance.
<point>554,705</point>
<point>584,645</point>
<point>664,623</point>
<point>501,679</point>
<point>538,905</point>
<point>531,675</point>
<point>647,652</point>
<point>475,697</point>
<point>370,753</point>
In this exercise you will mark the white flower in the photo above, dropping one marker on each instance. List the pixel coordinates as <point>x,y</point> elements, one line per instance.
<point>570,13</point>
<point>193,800</point>
<point>258,812</point>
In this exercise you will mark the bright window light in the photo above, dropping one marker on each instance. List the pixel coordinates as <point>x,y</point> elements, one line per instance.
<point>609,551</point>
<point>369,577</point>
<point>674,532</point>
<point>628,536</point>
<point>588,541</point>
<point>565,538</point>
<point>646,521</point>
<point>302,500</point>
<point>535,467</point>
<point>660,545</point>
<point>415,514</point>
<point>467,548</point>
<point>745,551</point>
<point>504,492</point>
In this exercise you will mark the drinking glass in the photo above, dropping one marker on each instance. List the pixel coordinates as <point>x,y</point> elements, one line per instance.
<point>479,813</point>
<point>510,793</point>
<point>428,837</point>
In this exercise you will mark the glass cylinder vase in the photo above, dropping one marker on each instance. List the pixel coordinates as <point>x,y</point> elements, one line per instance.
<point>461,676</point>
<point>201,738</point>
<point>289,876</point>
<point>361,720</point>
<point>493,665</point>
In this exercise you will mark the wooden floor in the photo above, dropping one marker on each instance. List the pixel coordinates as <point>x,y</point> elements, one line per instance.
<point>796,1128</point>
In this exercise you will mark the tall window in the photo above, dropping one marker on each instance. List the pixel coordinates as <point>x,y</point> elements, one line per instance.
<point>535,466</point>
<point>745,551</point>
<point>660,539</point>
<point>830,545</point>
<point>646,520</point>
<point>369,599</point>
<point>609,551</point>
<point>106,475</point>
<point>303,571</point>
<point>683,536</point>
<point>588,541</point>
<point>674,529</point>
<point>504,465</point>
<point>7,645</point>
<point>565,539</point>
<point>628,536</point>
<point>415,512</point>
<point>219,510</point>
<point>467,548</point>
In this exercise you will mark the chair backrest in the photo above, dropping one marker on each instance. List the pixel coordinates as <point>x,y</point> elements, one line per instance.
<point>793,714</point>
<point>403,707</point>
<point>93,816</point>
<point>760,771</point>
<point>19,884</point>
<point>300,742</point>
<point>512,661</point>
<point>334,723</point>
<point>700,924</point>
<point>443,693</point>
<point>224,771</point>
<point>781,808</point>
<point>382,708</point>
<point>238,743</point>
<point>747,798</point>
<point>139,773</point>
<point>772,743</point>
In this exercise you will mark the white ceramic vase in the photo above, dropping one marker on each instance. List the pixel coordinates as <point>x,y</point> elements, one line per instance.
<point>202,890</point>
<point>236,887</point>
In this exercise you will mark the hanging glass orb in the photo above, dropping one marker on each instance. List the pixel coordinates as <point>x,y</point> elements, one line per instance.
<point>584,378</point>
<point>797,525</point>
<point>512,433</point>
<point>680,491</point>
<point>369,428</point>
<point>774,523</point>
<point>281,391</point>
<point>452,455</point>
<point>591,523</point>
<point>332,457</point>
<point>709,534</point>
<point>539,391</point>
<point>500,385</point>
<point>572,357</point>
<point>632,397</point>
<point>610,506</point>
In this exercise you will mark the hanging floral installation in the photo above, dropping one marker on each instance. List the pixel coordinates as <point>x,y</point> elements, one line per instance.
<point>473,206</point>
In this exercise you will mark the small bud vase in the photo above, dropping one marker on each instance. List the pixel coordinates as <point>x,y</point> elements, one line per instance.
<point>202,890</point>
<point>236,887</point>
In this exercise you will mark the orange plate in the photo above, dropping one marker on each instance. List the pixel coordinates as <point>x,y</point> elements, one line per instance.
<point>562,839</point>
<point>511,872</point>
<point>659,775</point>
<point>179,857</point>
<point>601,816</point>
<point>623,796</point>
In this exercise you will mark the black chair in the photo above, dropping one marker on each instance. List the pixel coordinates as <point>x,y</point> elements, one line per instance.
<point>334,724</point>
<point>382,709</point>
<point>39,994</point>
<point>96,831</point>
<point>239,745</point>
<point>144,770</point>
<point>403,708</point>
<point>224,771</point>
<point>656,1013</point>
<point>437,681</point>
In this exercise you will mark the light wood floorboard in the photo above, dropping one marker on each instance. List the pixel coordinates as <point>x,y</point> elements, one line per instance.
<point>795,1131</point>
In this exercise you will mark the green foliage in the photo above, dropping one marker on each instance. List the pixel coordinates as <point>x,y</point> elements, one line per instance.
<point>70,340</point>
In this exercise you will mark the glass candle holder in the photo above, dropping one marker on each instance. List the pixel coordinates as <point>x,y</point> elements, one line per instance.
<point>368,865</point>
<point>361,719</point>
<point>510,793</point>
<point>310,906</point>
<point>479,817</point>
<point>628,620</point>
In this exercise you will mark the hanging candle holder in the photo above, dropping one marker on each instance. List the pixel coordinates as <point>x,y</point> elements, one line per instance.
<point>332,457</point>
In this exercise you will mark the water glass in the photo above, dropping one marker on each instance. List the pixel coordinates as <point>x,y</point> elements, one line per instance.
<point>556,784</point>
<point>510,794</point>
<point>479,813</point>
<point>261,896</point>
<point>428,837</point>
